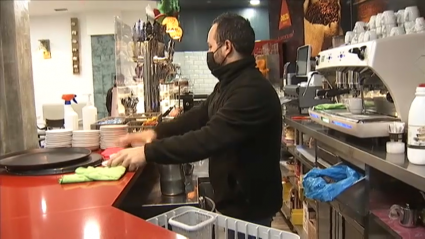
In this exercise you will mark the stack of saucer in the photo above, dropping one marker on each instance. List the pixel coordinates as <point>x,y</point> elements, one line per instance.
<point>110,134</point>
<point>86,139</point>
<point>58,138</point>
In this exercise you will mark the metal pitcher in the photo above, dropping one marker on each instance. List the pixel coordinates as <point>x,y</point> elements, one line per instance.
<point>407,217</point>
<point>172,178</point>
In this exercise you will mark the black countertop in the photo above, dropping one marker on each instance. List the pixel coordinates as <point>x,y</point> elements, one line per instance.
<point>355,150</point>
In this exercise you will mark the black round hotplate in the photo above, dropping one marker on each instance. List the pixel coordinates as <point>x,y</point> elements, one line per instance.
<point>35,159</point>
<point>93,160</point>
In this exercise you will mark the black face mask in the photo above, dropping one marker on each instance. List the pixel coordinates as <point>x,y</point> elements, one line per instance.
<point>212,64</point>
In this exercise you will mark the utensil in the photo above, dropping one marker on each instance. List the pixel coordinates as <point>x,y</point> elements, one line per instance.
<point>43,158</point>
<point>354,105</point>
<point>372,22</point>
<point>400,17</point>
<point>338,41</point>
<point>349,35</point>
<point>396,127</point>
<point>411,13</point>
<point>407,217</point>
<point>167,112</point>
<point>172,179</point>
<point>300,117</point>
<point>419,25</point>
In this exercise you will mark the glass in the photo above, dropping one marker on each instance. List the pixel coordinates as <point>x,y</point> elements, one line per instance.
<point>338,41</point>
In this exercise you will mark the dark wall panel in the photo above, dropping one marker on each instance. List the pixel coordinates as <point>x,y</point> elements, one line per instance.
<point>364,9</point>
<point>197,23</point>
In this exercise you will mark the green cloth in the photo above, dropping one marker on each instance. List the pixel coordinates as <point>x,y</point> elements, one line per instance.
<point>337,106</point>
<point>93,174</point>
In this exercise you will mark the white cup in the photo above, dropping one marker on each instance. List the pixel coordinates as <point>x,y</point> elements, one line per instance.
<point>359,27</point>
<point>419,24</point>
<point>354,105</point>
<point>388,17</point>
<point>386,30</point>
<point>360,37</point>
<point>411,13</point>
<point>400,17</point>
<point>372,22</point>
<point>396,31</point>
<point>370,36</point>
<point>409,27</point>
<point>379,32</point>
<point>348,37</point>
<point>355,38</point>
<point>378,20</point>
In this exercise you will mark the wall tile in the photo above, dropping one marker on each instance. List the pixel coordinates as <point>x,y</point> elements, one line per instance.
<point>194,67</point>
<point>103,55</point>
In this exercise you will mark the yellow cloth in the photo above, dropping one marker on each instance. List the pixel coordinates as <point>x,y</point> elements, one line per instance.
<point>93,174</point>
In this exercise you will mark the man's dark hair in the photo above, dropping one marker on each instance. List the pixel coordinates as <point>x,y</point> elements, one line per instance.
<point>236,29</point>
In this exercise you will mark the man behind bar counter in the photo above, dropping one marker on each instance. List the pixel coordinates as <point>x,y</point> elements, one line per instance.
<point>239,128</point>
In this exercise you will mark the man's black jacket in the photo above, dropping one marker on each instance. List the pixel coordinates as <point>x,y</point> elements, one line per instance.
<point>239,129</point>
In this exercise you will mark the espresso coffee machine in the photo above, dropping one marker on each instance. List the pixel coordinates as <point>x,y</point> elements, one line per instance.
<point>384,73</point>
<point>300,88</point>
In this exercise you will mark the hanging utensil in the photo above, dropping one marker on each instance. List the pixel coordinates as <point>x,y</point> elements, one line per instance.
<point>167,112</point>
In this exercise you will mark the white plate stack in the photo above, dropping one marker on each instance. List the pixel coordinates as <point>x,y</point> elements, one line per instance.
<point>86,139</point>
<point>58,138</point>
<point>110,134</point>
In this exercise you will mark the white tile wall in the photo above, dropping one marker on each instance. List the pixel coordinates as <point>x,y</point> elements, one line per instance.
<point>194,67</point>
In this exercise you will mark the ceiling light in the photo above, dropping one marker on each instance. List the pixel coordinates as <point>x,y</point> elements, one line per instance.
<point>254,2</point>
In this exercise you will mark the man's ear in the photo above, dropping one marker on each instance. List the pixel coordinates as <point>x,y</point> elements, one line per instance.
<point>228,46</point>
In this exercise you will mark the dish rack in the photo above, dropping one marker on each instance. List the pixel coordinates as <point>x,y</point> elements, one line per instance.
<point>195,223</point>
<point>134,122</point>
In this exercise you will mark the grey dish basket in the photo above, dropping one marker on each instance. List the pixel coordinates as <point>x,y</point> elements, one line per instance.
<point>196,223</point>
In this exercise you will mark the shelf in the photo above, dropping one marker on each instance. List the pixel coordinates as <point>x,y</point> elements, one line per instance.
<point>293,150</point>
<point>285,171</point>
<point>363,152</point>
<point>392,226</point>
<point>351,202</point>
<point>307,161</point>
<point>285,211</point>
<point>312,203</point>
<point>299,229</point>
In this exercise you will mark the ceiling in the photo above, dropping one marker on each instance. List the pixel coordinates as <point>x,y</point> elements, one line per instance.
<point>207,4</point>
<point>47,7</point>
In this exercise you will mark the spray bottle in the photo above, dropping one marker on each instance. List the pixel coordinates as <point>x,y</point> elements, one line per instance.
<point>89,114</point>
<point>70,116</point>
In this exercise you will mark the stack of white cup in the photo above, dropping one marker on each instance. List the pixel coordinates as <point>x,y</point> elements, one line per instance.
<point>387,24</point>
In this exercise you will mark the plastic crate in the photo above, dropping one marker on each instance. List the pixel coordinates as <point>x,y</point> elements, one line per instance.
<point>193,224</point>
<point>221,225</point>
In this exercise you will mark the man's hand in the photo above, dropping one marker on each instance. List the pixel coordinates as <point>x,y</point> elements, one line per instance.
<point>138,139</point>
<point>131,158</point>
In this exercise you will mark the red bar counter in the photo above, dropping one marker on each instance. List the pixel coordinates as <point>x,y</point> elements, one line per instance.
<point>38,207</point>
